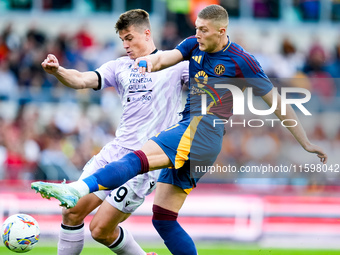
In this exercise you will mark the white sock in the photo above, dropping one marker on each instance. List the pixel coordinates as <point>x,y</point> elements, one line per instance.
<point>125,244</point>
<point>81,187</point>
<point>71,240</point>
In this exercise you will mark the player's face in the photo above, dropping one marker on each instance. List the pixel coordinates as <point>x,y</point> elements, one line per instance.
<point>208,35</point>
<point>135,41</point>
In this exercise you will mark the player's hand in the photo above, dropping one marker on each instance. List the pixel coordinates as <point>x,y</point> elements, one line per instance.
<point>50,64</point>
<point>143,64</point>
<point>312,148</point>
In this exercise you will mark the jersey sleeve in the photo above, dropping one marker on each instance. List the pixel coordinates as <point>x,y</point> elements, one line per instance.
<point>255,76</point>
<point>187,46</point>
<point>260,83</point>
<point>185,72</point>
<point>107,75</point>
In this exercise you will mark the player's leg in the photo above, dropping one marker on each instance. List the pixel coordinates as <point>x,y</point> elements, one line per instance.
<point>108,177</point>
<point>104,229</point>
<point>172,188</point>
<point>71,235</point>
<point>152,156</point>
<point>157,153</point>
<point>163,150</point>
<point>157,159</point>
<point>116,208</point>
<point>168,201</point>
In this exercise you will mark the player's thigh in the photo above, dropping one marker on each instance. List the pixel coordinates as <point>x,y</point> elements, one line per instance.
<point>85,206</point>
<point>169,196</point>
<point>121,202</point>
<point>107,218</point>
<point>128,197</point>
<point>156,156</point>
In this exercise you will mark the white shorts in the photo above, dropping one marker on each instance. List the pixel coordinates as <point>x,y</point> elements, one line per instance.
<point>128,197</point>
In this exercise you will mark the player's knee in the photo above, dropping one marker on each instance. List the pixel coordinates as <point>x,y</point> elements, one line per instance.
<point>103,235</point>
<point>72,217</point>
<point>98,234</point>
<point>162,217</point>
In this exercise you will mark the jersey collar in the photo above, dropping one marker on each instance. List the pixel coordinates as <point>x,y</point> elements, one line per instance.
<point>228,44</point>
<point>224,49</point>
<point>154,51</point>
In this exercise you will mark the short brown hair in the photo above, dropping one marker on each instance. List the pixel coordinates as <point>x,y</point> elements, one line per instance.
<point>214,12</point>
<point>136,17</point>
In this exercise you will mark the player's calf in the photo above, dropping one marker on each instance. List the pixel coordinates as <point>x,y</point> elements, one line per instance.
<point>174,236</point>
<point>76,215</point>
<point>71,235</point>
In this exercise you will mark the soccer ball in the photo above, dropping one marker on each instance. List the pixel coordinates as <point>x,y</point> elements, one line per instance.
<point>20,233</point>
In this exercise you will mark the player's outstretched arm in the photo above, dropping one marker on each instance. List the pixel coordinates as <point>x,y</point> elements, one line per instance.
<point>298,131</point>
<point>159,61</point>
<point>69,77</point>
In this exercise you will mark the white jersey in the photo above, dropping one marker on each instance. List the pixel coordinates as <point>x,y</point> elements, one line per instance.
<point>151,102</point>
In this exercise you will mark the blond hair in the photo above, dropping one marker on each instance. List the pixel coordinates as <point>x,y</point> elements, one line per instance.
<point>216,13</point>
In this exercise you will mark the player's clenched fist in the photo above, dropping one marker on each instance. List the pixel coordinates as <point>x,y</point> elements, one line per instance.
<point>143,64</point>
<point>50,64</point>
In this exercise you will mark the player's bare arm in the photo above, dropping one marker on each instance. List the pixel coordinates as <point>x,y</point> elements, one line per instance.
<point>298,132</point>
<point>160,61</point>
<point>69,77</point>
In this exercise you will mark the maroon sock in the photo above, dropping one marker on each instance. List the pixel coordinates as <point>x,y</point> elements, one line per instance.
<point>160,213</point>
<point>143,161</point>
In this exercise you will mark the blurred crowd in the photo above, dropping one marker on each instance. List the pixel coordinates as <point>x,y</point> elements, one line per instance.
<point>48,131</point>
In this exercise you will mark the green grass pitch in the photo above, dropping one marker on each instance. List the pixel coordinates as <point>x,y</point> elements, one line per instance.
<point>218,249</point>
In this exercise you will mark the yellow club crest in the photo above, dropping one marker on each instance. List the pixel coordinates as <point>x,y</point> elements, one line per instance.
<point>219,69</point>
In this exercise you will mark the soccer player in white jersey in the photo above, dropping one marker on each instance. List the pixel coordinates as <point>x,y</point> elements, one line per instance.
<point>150,104</point>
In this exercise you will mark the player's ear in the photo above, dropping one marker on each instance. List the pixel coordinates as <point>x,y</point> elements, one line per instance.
<point>222,31</point>
<point>147,33</point>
